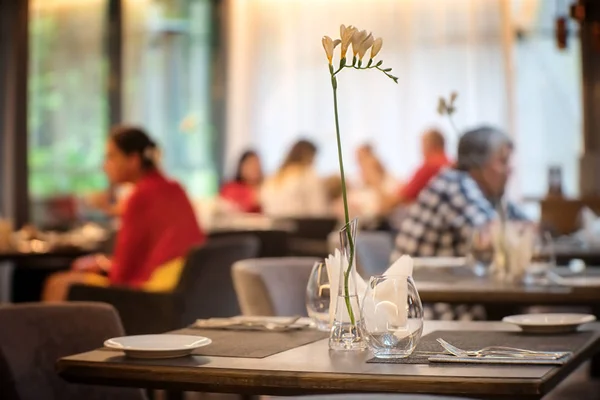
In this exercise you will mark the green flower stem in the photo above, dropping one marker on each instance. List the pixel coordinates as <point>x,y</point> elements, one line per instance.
<point>333,73</point>
<point>452,124</point>
<point>345,200</point>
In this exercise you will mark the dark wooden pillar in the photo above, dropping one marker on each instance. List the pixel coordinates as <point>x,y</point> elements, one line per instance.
<point>590,68</point>
<point>218,73</point>
<point>14,195</point>
<point>114,52</point>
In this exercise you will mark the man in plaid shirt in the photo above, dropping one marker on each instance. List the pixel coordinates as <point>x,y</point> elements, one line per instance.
<point>454,203</point>
<point>459,199</point>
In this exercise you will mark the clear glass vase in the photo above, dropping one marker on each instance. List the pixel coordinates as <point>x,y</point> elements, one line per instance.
<point>347,327</point>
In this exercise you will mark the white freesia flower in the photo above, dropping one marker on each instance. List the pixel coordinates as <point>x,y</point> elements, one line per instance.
<point>357,39</point>
<point>442,108</point>
<point>329,45</point>
<point>365,45</point>
<point>376,48</point>
<point>346,34</point>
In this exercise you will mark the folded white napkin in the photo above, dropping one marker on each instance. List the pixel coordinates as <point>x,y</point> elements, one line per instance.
<point>402,267</point>
<point>590,227</point>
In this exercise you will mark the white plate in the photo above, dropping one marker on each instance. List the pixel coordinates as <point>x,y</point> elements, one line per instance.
<point>157,346</point>
<point>549,323</point>
<point>439,262</point>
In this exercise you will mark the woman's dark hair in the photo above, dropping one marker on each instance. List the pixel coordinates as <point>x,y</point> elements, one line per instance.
<point>133,140</point>
<point>245,155</point>
<point>301,153</point>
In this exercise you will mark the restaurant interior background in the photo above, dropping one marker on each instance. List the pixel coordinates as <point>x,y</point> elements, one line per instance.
<point>210,78</point>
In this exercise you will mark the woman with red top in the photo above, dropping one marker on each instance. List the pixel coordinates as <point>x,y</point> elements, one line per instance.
<point>158,224</point>
<point>243,191</point>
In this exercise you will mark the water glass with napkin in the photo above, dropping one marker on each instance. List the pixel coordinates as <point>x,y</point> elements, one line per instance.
<point>402,267</point>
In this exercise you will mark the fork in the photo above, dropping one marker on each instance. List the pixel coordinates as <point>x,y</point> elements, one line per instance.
<point>500,351</point>
<point>272,325</point>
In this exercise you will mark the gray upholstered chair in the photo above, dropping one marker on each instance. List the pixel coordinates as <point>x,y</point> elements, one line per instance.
<point>34,336</point>
<point>373,249</point>
<point>272,286</point>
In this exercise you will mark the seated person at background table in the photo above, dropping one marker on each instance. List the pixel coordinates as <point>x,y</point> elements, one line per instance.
<point>296,190</point>
<point>364,196</point>
<point>244,191</point>
<point>433,148</point>
<point>460,198</point>
<point>158,224</point>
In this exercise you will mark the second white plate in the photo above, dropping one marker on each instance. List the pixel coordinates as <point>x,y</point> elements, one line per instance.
<point>549,323</point>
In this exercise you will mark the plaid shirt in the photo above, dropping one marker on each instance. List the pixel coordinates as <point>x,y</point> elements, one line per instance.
<point>441,221</point>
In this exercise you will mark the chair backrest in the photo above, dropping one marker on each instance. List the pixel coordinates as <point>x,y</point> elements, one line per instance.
<point>34,336</point>
<point>272,286</point>
<point>272,242</point>
<point>373,249</point>
<point>313,228</point>
<point>206,286</point>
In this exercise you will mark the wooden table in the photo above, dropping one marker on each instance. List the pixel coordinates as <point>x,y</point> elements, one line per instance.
<point>22,274</point>
<point>312,369</point>
<point>460,286</point>
<point>565,252</point>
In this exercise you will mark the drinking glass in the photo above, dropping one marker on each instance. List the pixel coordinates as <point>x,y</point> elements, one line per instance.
<point>392,316</point>
<point>318,296</point>
<point>481,250</point>
<point>543,258</point>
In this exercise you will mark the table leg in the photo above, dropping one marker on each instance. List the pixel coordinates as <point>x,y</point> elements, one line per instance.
<point>6,273</point>
<point>173,395</point>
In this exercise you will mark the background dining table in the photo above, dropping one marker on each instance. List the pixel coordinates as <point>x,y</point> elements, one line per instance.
<point>313,369</point>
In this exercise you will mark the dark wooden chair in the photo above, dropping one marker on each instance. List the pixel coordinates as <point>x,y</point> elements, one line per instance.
<point>272,242</point>
<point>205,290</point>
<point>309,237</point>
<point>34,336</point>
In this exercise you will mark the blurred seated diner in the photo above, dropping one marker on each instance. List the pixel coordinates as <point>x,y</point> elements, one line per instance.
<point>433,149</point>
<point>296,190</point>
<point>365,196</point>
<point>243,192</point>
<point>460,198</point>
<point>158,224</point>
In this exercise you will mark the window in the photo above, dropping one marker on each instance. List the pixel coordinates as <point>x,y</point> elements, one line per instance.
<point>167,85</point>
<point>67,114</point>
<point>165,89</point>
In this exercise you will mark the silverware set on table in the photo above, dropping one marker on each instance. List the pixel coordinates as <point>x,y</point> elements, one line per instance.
<point>502,352</point>
<point>494,355</point>
<point>237,323</point>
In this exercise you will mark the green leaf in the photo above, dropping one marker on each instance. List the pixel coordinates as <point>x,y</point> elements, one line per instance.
<point>342,62</point>
<point>386,70</point>
<point>369,63</point>
<point>353,61</point>
<point>379,63</point>
<point>359,63</point>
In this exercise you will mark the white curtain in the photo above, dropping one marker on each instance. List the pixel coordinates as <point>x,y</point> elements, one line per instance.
<point>279,85</point>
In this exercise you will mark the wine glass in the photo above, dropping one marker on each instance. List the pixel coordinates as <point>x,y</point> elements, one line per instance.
<point>481,250</point>
<point>392,316</point>
<point>318,296</point>
<point>543,258</point>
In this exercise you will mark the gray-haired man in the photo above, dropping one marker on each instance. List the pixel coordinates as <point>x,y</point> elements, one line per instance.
<point>459,199</point>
